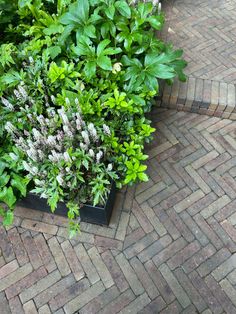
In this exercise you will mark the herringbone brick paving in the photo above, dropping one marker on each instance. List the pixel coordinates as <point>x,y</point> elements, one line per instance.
<point>206,31</point>
<point>170,246</point>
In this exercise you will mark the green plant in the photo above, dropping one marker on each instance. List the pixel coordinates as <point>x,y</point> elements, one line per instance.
<point>13,185</point>
<point>98,59</point>
<point>61,154</point>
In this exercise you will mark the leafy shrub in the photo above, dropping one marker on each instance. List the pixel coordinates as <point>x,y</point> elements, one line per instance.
<point>99,60</point>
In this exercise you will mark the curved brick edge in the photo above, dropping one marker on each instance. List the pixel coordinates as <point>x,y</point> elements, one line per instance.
<point>201,96</point>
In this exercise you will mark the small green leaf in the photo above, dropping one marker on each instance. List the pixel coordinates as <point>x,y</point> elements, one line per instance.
<point>53,200</point>
<point>84,47</point>
<point>85,163</point>
<point>96,199</point>
<point>55,72</point>
<point>7,196</point>
<point>8,218</point>
<point>6,51</point>
<point>142,168</point>
<point>72,233</point>
<point>142,176</point>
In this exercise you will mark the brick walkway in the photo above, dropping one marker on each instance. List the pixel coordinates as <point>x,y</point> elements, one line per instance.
<point>170,246</point>
<point>206,30</point>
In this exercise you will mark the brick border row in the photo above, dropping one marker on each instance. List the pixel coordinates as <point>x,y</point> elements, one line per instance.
<point>201,96</point>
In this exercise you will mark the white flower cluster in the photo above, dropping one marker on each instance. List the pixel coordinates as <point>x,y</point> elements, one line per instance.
<point>54,137</point>
<point>21,93</point>
<point>9,127</point>
<point>106,130</point>
<point>93,132</point>
<point>7,104</point>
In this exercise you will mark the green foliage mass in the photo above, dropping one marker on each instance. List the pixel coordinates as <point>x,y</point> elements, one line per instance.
<point>101,58</point>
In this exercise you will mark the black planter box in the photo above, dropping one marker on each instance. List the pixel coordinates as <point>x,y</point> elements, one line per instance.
<point>88,213</point>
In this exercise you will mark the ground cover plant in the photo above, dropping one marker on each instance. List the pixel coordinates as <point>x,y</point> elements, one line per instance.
<point>76,81</point>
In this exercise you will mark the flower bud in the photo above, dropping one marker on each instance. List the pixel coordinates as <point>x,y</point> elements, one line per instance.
<point>7,104</point>
<point>67,157</point>
<point>116,67</point>
<point>60,179</point>
<point>67,100</point>
<point>22,92</point>
<point>106,130</point>
<point>109,167</point>
<point>13,156</point>
<point>91,153</point>
<point>99,156</point>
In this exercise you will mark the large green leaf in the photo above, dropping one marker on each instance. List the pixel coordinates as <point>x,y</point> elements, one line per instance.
<point>110,11</point>
<point>84,47</point>
<point>123,8</point>
<point>108,28</point>
<point>151,59</point>
<point>162,71</point>
<point>112,51</point>
<point>83,9</point>
<point>4,178</point>
<point>3,165</point>
<point>90,69</point>
<point>144,9</point>
<point>167,57</point>
<point>102,45</point>
<point>156,21</point>
<point>104,62</point>
<point>19,183</point>
<point>11,77</point>
<point>90,31</point>
<point>78,13</point>
<point>151,82</point>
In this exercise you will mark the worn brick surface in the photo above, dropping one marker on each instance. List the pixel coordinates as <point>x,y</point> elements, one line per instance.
<point>205,32</point>
<point>170,247</point>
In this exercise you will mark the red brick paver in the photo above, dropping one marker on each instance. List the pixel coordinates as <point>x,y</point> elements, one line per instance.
<point>170,246</point>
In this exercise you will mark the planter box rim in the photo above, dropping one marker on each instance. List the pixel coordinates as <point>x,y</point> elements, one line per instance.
<point>88,213</point>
